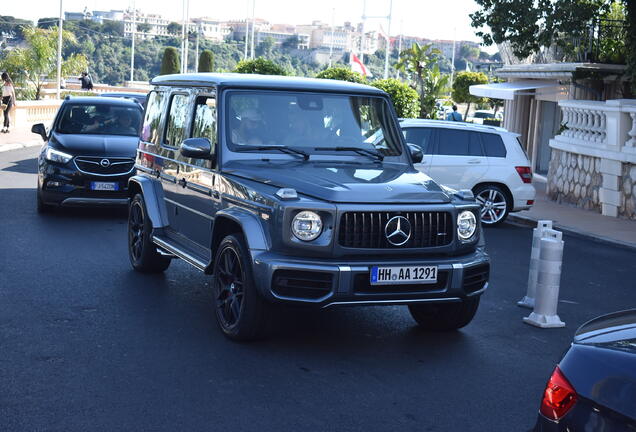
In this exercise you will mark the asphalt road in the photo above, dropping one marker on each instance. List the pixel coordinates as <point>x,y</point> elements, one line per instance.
<point>88,344</point>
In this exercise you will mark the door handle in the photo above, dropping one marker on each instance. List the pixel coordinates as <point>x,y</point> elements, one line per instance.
<point>183,182</point>
<point>474,161</point>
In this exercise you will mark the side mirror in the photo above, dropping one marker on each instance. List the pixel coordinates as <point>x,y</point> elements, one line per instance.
<point>416,153</point>
<point>39,129</point>
<point>197,148</point>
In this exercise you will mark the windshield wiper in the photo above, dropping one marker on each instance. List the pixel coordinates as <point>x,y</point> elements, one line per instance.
<point>282,149</point>
<point>365,152</point>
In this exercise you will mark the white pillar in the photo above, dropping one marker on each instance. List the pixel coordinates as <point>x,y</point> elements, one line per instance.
<point>59,52</point>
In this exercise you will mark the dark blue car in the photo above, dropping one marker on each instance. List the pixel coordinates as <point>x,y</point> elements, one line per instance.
<point>594,386</point>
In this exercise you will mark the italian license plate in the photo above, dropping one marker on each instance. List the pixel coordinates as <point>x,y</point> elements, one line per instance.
<point>104,186</point>
<point>403,275</point>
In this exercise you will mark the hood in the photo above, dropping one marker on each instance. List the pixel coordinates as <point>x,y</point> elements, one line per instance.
<point>342,182</point>
<point>95,145</point>
<point>614,331</point>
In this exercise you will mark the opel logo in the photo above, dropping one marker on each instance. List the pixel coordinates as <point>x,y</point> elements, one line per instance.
<point>105,163</point>
<point>398,230</point>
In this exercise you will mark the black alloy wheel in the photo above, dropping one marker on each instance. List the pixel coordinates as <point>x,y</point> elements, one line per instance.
<point>141,250</point>
<point>240,309</point>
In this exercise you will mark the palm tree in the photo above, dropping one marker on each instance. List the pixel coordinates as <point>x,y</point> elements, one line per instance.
<point>418,63</point>
<point>435,87</point>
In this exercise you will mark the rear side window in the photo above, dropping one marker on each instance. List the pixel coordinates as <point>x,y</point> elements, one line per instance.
<point>452,142</point>
<point>493,145</point>
<point>152,119</point>
<point>204,123</point>
<point>421,137</point>
<point>176,125</point>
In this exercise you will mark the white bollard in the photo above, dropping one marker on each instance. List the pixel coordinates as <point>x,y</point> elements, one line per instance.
<point>528,300</point>
<point>544,314</point>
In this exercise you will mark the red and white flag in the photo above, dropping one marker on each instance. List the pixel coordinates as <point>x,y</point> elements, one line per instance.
<point>358,66</point>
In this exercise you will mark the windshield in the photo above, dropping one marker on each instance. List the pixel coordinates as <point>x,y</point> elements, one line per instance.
<point>100,119</point>
<point>310,122</point>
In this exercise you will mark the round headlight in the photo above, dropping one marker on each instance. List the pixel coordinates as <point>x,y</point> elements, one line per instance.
<point>307,225</point>
<point>466,224</point>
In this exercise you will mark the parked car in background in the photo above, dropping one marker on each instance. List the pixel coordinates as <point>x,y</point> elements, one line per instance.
<point>485,159</point>
<point>140,98</point>
<point>593,388</point>
<point>298,191</point>
<point>89,153</point>
<point>478,117</point>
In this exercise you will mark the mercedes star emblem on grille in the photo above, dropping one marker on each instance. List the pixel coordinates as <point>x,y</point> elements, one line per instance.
<point>105,163</point>
<point>397,230</point>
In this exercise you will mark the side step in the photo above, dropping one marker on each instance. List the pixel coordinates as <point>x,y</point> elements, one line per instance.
<point>186,254</point>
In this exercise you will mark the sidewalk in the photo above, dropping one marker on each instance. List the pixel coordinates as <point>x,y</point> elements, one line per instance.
<point>19,138</point>
<point>577,221</point>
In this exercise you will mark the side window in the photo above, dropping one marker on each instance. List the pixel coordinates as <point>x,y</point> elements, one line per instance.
<point>176,125</point>
<point>493,145</point>
<point>204,123</point>
<point>453,142</point>
<point>421,137</point>
<point>152,119</point>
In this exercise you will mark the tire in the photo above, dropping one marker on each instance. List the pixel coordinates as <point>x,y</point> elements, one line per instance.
<point>41,207</point>
<point>141,250</point>
<point>445,316</point>
<point>240,310</point>
<point>495,204</point>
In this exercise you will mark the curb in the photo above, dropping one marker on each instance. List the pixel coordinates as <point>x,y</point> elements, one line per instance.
<point>531,222</point>
<point>9,147</point>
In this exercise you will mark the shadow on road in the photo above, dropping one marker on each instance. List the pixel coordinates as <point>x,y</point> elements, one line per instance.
<point>25,166</point>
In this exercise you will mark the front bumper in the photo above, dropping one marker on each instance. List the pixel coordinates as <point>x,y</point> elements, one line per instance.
<point>67,187</point>
<point>325,283</point>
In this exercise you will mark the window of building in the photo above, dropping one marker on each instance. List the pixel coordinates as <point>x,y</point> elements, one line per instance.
<point>176,125</point>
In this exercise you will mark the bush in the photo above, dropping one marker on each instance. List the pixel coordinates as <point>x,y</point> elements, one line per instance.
<point>405,99</point>
<point>170,61</point>
<point>342,74</point>
<point>206,61</point>
<point>259,66</point>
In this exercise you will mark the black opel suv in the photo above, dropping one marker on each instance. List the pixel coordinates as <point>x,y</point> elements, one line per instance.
<point>89,153</point>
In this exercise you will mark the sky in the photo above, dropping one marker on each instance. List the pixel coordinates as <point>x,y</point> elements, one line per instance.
<point>431,19</point>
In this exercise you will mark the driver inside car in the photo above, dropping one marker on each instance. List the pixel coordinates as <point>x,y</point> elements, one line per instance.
<point>249,129</point>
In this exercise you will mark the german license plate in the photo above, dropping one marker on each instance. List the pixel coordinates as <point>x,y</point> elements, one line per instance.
<point>403,275</point>
<point>104,186</point>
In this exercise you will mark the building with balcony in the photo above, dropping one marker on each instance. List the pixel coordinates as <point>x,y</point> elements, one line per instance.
<point>211,29</point>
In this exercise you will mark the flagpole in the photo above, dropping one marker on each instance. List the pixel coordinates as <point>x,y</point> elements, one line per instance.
<point>388,43</point>
<point>247,27</point>
<point>400,45</point>
<point>59,52</point>
<point>364,18</point>
<point>253,27</point>
<point>453,58</point>
<point>333,23</point>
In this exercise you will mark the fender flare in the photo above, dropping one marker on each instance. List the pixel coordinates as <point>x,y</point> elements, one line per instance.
<point>152,192</point>
<point>250,224</point>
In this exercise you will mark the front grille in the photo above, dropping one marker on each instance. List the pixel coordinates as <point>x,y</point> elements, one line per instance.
<point>95,165</point>
<point>366,230</point>
<point>476,277</point>
<point>307,285</point>
<point>362,285</point>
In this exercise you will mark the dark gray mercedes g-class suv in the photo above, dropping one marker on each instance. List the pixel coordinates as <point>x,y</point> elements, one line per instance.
<point>300,191</point>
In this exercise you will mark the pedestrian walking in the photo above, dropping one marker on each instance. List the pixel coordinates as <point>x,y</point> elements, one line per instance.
<point>87,82</point>
<point>454,116</point>
<point>8,101</point>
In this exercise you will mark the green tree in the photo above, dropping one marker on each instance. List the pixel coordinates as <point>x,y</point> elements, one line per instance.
<point>435,87</point>
<point>37,61</point>
<point>10,26</point>
<point>405,100</point>
<point>417,63</point>
<point>259,66</point>
<point>342,74</point>
<point>461,93</point>
<point>206,61</point>
<point>266,48</point>
<point>174,28</point>
<point>170,61</point>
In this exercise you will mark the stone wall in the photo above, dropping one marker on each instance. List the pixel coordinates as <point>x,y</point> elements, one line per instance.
<point>575,179</point>
<point>627,209</point>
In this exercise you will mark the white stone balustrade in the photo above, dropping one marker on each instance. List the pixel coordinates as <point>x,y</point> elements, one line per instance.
<point>604,130</point>
<point>30,112</point>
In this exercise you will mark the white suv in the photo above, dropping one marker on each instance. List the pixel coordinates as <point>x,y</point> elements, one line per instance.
<point>485,159</point>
